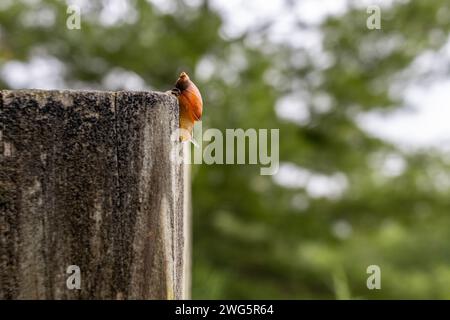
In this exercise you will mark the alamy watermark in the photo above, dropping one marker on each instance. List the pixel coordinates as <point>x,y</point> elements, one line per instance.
<point>74,280</point>
<point>374,20</point>
<point>74,19</point>
<point>231,148</point>
<point>374,280</point>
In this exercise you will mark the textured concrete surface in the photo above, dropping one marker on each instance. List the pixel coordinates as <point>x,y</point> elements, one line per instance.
<point>86,179</point>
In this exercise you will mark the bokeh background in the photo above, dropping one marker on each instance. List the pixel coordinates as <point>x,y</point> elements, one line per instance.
<point>364,119</point>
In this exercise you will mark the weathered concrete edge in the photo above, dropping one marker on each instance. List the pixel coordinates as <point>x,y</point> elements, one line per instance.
<point>6,92</point>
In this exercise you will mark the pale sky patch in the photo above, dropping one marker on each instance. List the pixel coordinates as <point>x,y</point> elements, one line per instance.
<point>40,72</point>
<point>316,185</point>
<point>121,79</point>
<point>423,122</point>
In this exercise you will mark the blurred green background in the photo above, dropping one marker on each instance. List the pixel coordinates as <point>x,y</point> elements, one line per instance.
<point>344,198</point>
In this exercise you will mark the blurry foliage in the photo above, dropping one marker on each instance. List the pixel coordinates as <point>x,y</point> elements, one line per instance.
<point>252,237</point>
